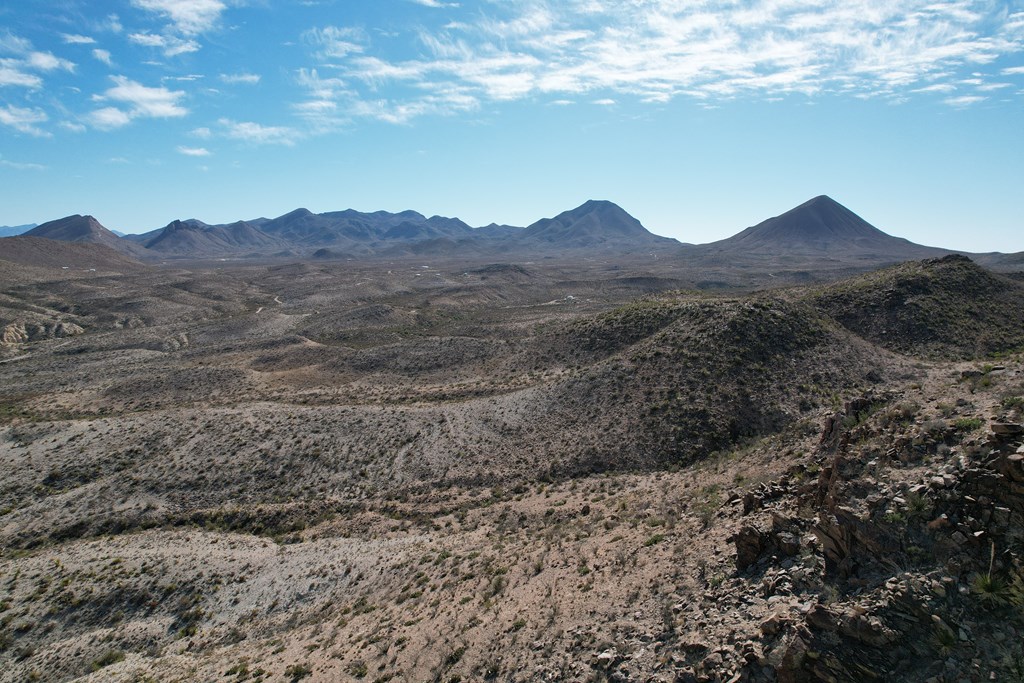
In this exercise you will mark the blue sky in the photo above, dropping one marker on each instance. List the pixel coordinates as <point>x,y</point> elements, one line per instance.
<point>699,118</point>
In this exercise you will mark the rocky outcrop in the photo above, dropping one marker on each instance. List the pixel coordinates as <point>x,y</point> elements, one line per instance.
<point>21,333</point>
<point>752,543</point>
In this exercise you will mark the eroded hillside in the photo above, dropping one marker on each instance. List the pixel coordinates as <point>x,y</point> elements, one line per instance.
<point>512,473</point>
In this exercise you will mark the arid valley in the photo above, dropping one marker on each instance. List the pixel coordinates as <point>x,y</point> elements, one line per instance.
<point>590,466</point>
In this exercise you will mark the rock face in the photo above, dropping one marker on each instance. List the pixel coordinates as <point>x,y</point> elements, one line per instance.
<point>21,333</point>
<point>912,569</point>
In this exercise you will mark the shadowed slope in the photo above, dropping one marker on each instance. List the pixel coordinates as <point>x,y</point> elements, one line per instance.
<point>948,306</point>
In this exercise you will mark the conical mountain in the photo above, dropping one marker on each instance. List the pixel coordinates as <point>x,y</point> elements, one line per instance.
<point>85,229</point>
<point>594,223</point>
<point>824,227</point>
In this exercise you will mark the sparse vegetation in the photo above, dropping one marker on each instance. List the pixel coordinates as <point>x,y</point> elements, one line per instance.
<point>455,483</point>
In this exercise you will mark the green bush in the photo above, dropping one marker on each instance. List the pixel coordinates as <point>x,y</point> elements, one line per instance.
<point>106,659</point>
<point>968,424</point>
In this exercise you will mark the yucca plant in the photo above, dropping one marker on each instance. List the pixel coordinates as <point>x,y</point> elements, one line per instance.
<point>991,590</point>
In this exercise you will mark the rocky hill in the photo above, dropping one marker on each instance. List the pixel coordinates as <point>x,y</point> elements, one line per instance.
<point>193,238</point>
<point>42,252</point>
<point>939,307</point>
<point>85,229</point>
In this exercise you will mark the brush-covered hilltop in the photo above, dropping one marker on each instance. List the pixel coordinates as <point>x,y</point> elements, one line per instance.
<point>555,470</point>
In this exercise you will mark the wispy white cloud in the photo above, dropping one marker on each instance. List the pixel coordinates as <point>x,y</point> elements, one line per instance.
<point>332,42</point>
<point>103,56</point>
<point>1013,71</point>
<point>10,42</point>
<point>170,45</point>
<point>964,100</point>
<point>243,78</point>
<point>47,61</point>
<point>435,3</point>
<point>936,87</point>
<point>193,151</point>
<point>141,101</point>
<point>24,120</point>
<point>17,70</point>
<point>22,165</point>
<point>255,133</point>
<point>75,39</point>
<point>992,87</point>
<point>146,101</point>
<point>109,118</point>
<point>12,73</point>
<point>190,17</point>
<point>659,50</point>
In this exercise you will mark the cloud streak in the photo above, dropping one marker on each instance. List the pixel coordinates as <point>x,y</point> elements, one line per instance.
<point>141,102</point>
<point>258,134</point>
<point>12,72</point>
<point>171,46</point>
<point>24,120</point>
<point>189,17</point>
<point>243,78</point>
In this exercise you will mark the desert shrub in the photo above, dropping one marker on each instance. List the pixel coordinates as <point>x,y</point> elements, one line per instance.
<point>1013,403</point>
<point>357,669</point>
<point>968,424</point>
<point>106,659</point>
<point>296,672</point>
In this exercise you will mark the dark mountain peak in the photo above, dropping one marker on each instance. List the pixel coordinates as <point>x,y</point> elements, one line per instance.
<point>78,228</point>
<point>599,205</point>
<point>177,225</point>
<point>820,226</point>
<point>816,217</point>
<point>593,223</point>
<point>71,229</point>
<point>410,215</point>
<point>822,200</point>
<point>296,214</point>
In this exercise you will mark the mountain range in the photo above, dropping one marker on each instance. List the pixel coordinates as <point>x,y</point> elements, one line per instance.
<point>12,230</point>
<point>820,228</point>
